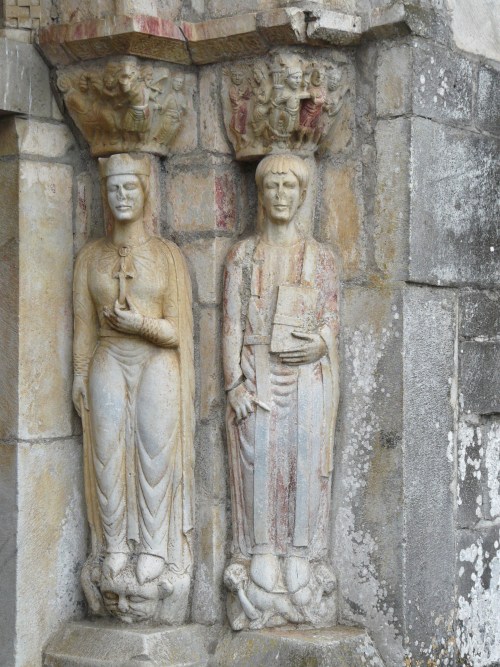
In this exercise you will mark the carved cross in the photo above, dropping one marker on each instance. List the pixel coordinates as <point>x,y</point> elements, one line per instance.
<point>123,275</point>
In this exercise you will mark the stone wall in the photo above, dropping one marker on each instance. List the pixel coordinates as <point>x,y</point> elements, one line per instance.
<point>407,194</point>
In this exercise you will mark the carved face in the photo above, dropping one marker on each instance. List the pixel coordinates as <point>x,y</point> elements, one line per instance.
<point>294,79</point>
<point>129,601</point>
<point>258,74</point>
<point>317,77</point>
<point>125,197</point>
<point>281,196</point>
<point>236,77</point>
<point>127,77</point>
<point>334,77</point>
<point>178,82</point>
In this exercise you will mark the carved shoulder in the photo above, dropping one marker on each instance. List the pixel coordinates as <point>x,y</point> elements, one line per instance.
<point>238,252</point>
<point>87,253</point>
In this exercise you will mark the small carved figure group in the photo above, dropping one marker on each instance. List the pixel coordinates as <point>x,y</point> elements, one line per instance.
<point>289,105</point>
<point>125,106</point>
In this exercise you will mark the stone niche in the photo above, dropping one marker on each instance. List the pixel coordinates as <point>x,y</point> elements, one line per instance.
<point>395,121</point>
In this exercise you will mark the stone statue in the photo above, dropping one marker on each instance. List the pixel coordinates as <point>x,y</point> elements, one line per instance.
<point>133,387</point>
<point>281,378</point>
<point>173,110</point>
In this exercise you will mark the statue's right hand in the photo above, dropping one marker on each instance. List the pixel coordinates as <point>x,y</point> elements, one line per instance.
<point>80,393</point>
<point>241,401</point>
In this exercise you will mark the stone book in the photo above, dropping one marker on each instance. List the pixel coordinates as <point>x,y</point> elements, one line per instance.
<point>295,311</point>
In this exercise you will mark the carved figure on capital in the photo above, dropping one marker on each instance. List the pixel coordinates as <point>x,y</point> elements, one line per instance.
<point>126,105</point>
<point>288,104</point>
<point>134,389</point>
<point>281,378</point>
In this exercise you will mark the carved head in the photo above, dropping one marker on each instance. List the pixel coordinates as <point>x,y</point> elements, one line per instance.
<point>125,185</point>
<point>334,77</point>
<point>260,72</point>
<point>317,77</point>
<point>130,601</point>
<point>294,77</point>
<point>128,75</point>
<point>178,81</point>
<point>282,182</point>
<point>236,75</point>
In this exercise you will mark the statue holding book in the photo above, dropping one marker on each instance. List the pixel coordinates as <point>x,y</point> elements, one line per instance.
<point>281,379</point>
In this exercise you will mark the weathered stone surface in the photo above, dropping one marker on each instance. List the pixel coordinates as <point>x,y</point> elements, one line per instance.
<point>478,628</point>
<point>208,600</point>
<point>45,269</point>
<point>442,83</point>
<point>211,392</point>
<point>367,554</point>
<point>201,199</point>
<point>31,137</point>
<point>211,472</point>
<point>212,134</point>
<point>341,218</point>
<point>475,26</point>
<point>428,466</point>
<point>479,314</point>
<point>45,542</point>
<point>332,27</point>
<point>24,80</point>
<point>9,541</point>
<point>394,80</point>
<point>488,100</point>
<point>470,470</point>
<point>479,383</point>
<point>454,232</point>
<point>392,200</point>
<point>339,647</point>
<point>107,644</point>
<point>206,260</point>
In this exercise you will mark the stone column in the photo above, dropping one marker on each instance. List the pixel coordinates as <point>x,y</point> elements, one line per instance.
<point>42,525</point>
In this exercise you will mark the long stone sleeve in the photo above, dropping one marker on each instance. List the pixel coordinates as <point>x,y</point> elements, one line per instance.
<point>85,317</point>
<point>232,339</point>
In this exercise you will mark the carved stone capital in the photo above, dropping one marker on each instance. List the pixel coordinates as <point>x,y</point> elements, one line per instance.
<point>283,103</point>
<point>127,105</point>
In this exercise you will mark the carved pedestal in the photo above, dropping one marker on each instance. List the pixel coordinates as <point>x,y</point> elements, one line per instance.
<point>338,647</point>
<point>112,644</point>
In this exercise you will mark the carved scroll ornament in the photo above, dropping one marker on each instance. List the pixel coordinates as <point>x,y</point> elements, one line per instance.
<point>125,106</point>
<point>282,105</point>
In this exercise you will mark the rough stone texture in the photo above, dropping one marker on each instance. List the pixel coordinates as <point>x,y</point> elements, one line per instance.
<point>24,80</point>
<point>428,467</point>
<point>45,265</point>
<point>392,200</point>
<point>368,483</point>
<point>341,218</point>
<point>42,491</point>
<point>211,392</point>
<point>475,26</point>
<point>201,199</point>
<point>454,235</point>
<point>394,81</point>
<point>479,314</point>
<point>488,100</point>
<point>212,134</point>
<point>19,135</point>
<point>108,644</point>
<point>206,260</point>
<point>342,647</point>
<point>479,383</point>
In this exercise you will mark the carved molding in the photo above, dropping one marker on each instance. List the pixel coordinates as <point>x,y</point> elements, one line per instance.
<point>213,40</point>
<point>125,105</point>
<point>285,103</point>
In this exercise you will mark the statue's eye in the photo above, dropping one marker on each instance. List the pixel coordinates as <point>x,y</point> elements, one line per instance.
<point>111,597</point>
<point>137,598</point>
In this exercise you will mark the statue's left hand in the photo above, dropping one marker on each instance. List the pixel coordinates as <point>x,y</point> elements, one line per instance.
<point>310,351</point>
<point>125,318</point>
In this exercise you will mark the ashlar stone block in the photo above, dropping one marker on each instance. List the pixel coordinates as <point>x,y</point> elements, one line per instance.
<point>488,100</point>
<point>479,381</point>
<point>206,260</point>
<point>32,137</point>
<point>394,68</point>
<point>45,270</point>
<point>479,314</point>
<point>202,199</point>
<point>455,208</point>
<point>212,134</point>
<point>211,391</point>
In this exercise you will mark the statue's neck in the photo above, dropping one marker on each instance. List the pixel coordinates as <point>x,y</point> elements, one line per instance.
<point>280,234</point>
<point>129,233</point>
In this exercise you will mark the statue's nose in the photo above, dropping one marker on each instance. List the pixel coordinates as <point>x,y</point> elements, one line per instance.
<point>122,603</point>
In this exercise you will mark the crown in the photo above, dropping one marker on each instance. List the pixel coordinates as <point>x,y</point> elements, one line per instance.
<point>124,163</point>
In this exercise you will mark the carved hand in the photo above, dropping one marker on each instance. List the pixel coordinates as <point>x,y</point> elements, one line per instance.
<point>241,401</point>
<point>80,393</point>
<point>312,350</point>
<point>124,318</point>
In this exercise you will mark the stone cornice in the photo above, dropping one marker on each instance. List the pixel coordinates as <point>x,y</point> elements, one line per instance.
<point>214,40</point>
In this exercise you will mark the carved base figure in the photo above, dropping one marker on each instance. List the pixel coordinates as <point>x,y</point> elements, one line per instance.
<point>281,374</point>
<point>134,389</point>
